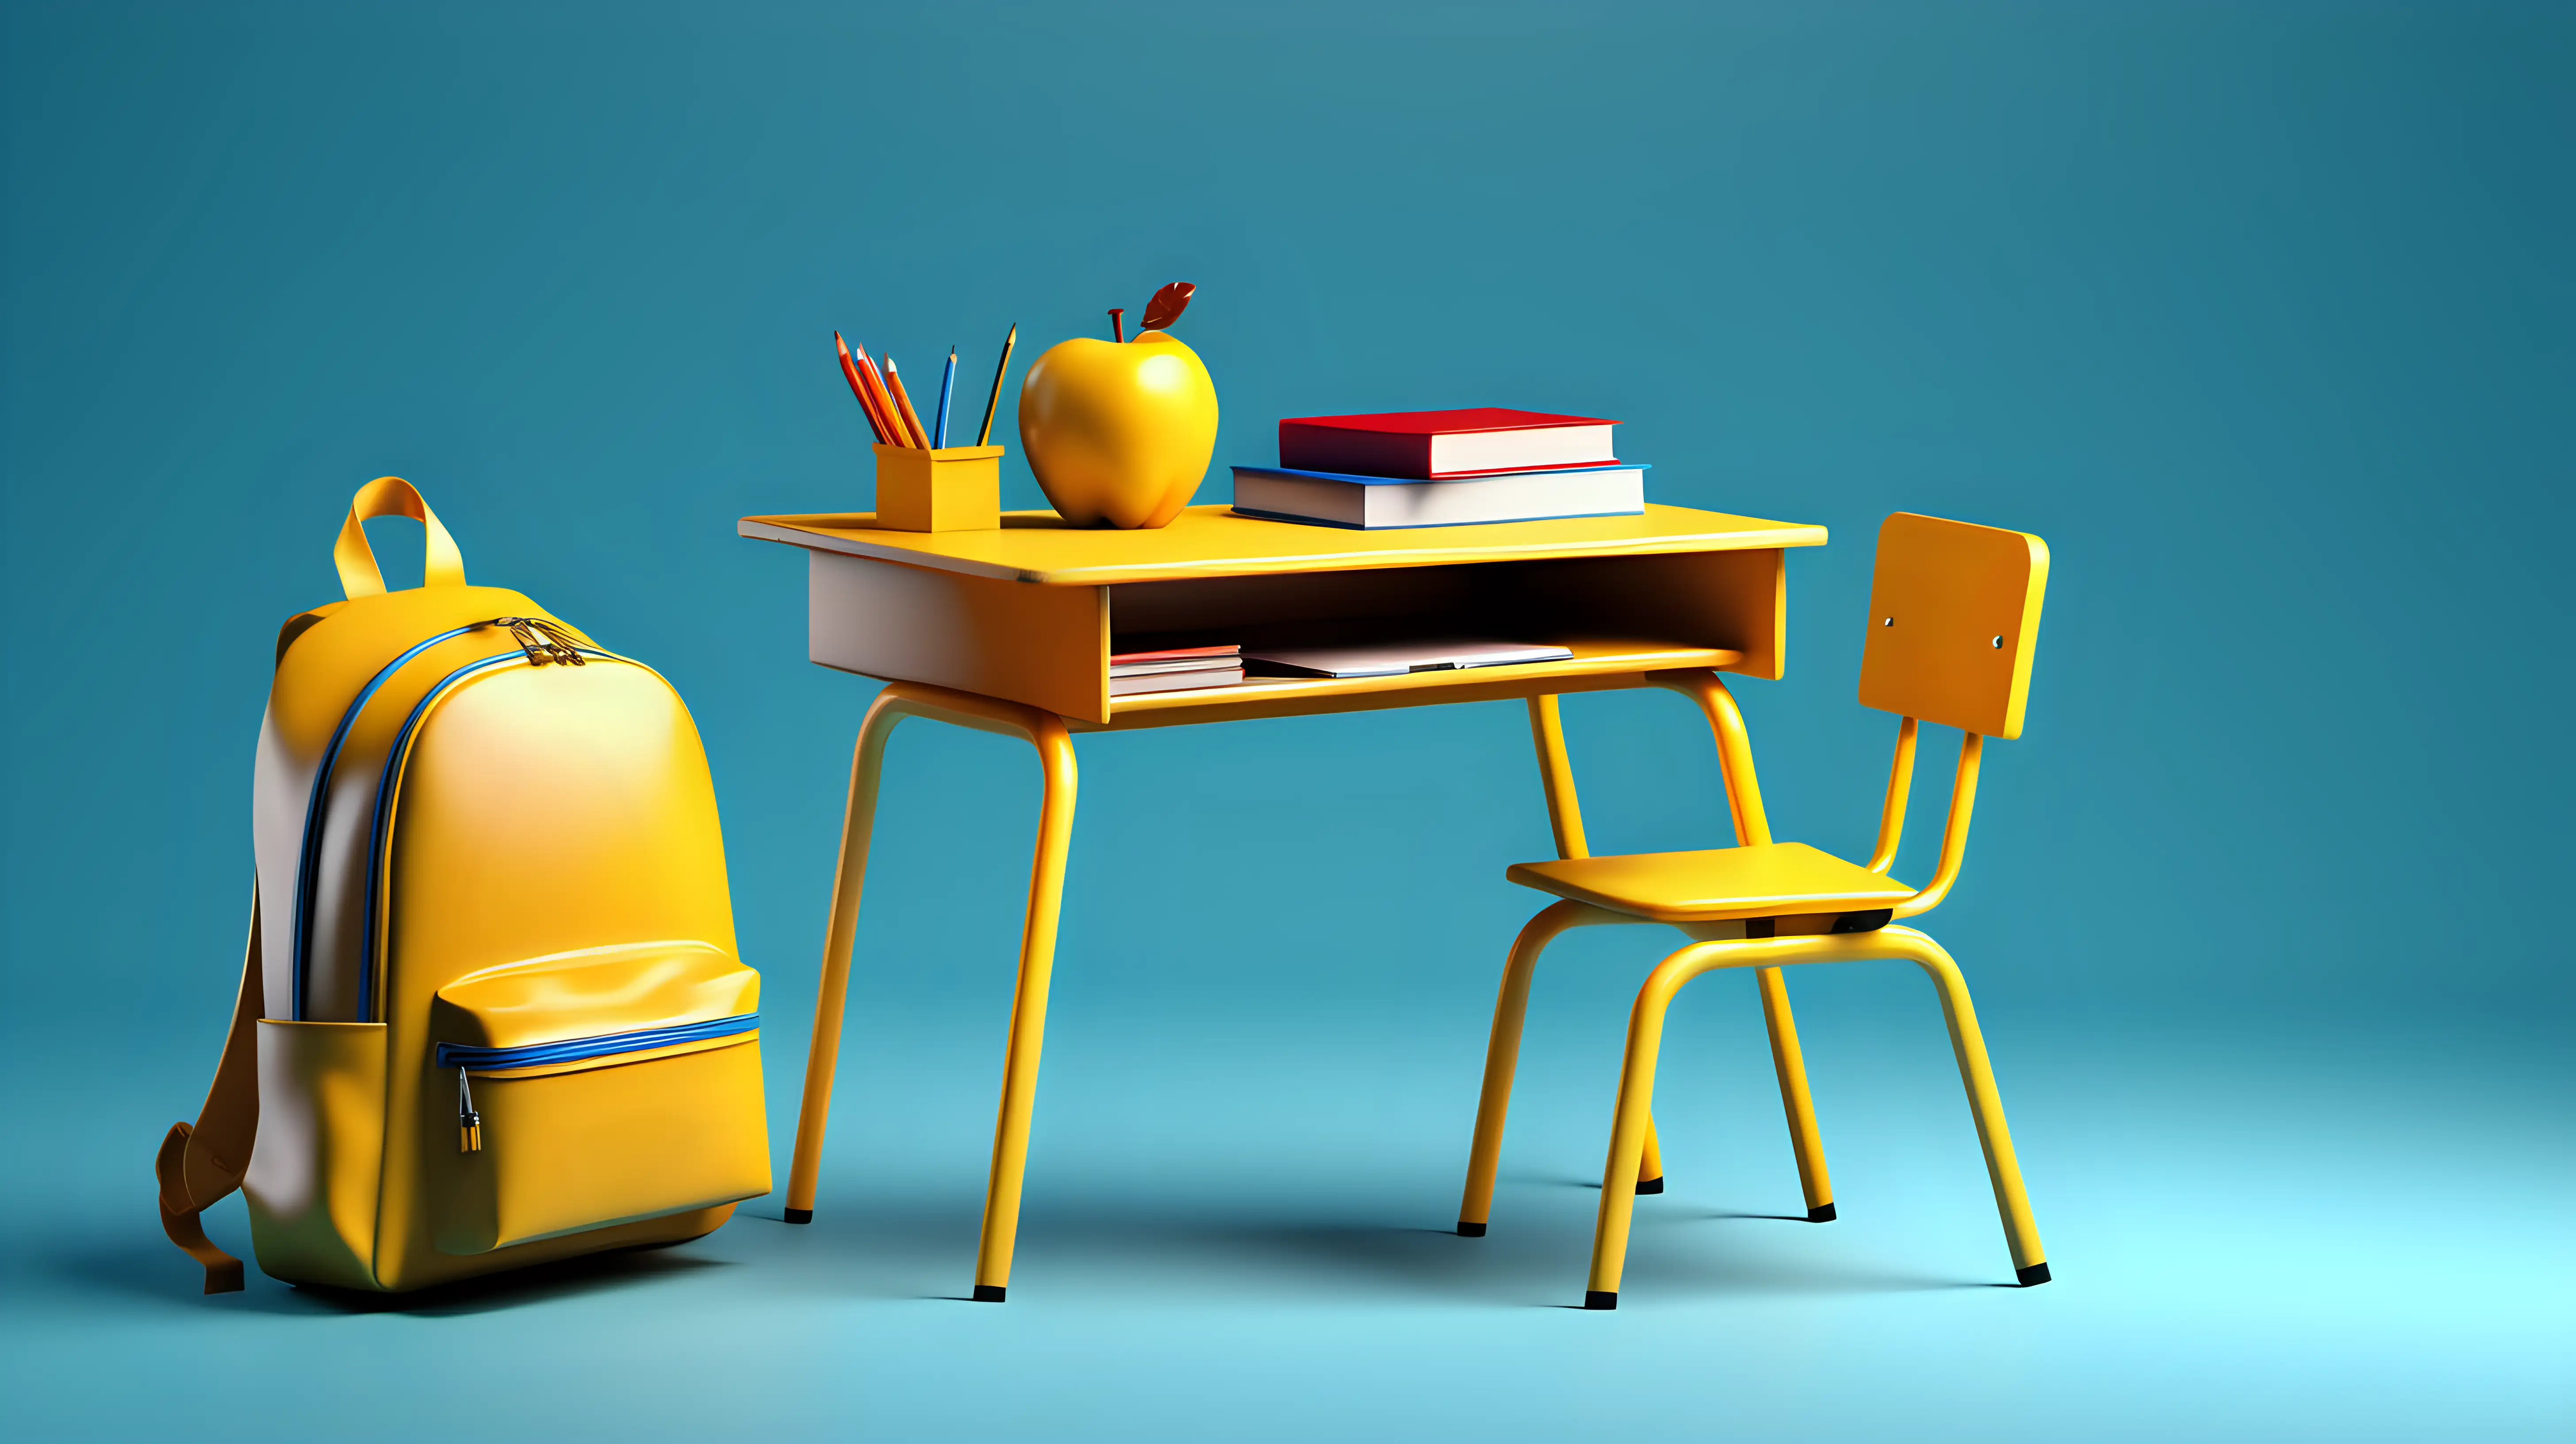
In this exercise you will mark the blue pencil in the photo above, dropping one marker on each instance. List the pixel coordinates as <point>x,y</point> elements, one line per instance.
<point>947,385</point>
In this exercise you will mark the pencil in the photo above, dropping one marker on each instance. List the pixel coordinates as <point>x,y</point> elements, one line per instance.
<point>985,436</point>
<point>859,388</point>
<point>903,403</point>
<point>895,434</point>
<point>947,384</point>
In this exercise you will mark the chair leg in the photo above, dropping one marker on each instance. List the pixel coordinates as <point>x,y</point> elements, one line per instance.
<point>867,760</point>
<point>1631,1122</point>
<point>1503,1053</point>
<point>1028,1013</point>
<point>1645,1039</point>
<point>2030,1262</point>
<point>1650,1164</point>
<point>1791,1067</point>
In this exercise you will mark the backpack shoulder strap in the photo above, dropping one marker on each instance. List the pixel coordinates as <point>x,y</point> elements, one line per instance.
<point>198,1166</point>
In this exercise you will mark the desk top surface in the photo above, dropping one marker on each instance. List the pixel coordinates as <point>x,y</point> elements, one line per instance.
<point>1211,541</point>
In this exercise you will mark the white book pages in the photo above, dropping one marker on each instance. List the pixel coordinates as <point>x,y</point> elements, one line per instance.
<point>1175,681</point>
<point>1521,448</point>
<point>1608,491</point>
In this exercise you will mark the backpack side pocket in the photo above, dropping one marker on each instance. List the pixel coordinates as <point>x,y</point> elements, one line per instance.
<point>318,1164</point>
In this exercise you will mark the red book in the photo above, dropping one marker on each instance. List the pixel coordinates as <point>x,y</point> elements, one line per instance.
<point>1443,445</point>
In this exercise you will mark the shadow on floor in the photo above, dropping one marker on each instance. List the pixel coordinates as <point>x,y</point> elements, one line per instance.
<point>1112,1244</point>
<point>900,1248</point>
<point>156,1272</point>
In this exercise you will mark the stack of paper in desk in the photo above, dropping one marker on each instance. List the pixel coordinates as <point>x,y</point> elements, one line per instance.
<point>1174,669</point>
<point>1441,468</point>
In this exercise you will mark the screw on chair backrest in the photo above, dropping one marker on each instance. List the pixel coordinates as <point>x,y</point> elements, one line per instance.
<point>1953,621</point>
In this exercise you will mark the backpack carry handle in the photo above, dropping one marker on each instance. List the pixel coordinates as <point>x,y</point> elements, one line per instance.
<point>442,566</point>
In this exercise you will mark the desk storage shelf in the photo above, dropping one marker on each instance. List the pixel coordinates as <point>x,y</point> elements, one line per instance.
<point>1032,612</point>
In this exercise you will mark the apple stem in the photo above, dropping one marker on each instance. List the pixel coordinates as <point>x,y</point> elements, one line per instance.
<point>1118,323</point>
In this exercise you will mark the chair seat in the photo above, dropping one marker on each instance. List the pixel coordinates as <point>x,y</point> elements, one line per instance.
<point>1772,879</point>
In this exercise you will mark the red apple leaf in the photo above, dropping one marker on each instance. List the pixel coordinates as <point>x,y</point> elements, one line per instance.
<point>1168,304</point>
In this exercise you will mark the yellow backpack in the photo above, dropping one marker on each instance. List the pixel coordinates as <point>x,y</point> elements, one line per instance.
<point>491,1013</point>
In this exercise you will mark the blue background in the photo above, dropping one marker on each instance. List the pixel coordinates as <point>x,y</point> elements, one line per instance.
<point>2261,314</point>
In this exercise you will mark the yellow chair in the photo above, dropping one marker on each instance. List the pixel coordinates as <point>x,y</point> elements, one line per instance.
<point>1954,613</point>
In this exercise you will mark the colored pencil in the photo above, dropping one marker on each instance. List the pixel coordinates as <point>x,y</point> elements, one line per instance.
<point>985,436</point>
<point>895,434</point>
<point>903,403</point>
<point>947,384</point>
<point>859,388</point>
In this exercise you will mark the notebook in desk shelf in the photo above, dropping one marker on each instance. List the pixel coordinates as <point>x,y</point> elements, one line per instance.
<point>1026,612</point>
<point>1395,658</point>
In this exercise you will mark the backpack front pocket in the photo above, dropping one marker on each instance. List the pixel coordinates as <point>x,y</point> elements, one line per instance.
<point>594,1089</point>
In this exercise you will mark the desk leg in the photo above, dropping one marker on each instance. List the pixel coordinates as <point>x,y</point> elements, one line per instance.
<point>1752,825</point>
<point>1791,1066</point>
<point>867,759</point>
<point>1046,732</point>
<point>1028,1011</point>
<point>1556,777</point>
<point>1565,817</point>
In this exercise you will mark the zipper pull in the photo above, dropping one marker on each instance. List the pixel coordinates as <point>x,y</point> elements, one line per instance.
<point>567,647</point>
<point>469,1124</point>
<point>543,641</point>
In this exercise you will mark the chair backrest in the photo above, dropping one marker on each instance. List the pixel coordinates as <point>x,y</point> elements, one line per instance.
<point>1953,619</point>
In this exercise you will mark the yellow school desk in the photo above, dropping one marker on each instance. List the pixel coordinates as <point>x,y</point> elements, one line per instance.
<point>1011,631</point>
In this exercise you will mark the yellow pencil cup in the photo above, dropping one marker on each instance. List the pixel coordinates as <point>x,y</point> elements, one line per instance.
<point>955,488</point>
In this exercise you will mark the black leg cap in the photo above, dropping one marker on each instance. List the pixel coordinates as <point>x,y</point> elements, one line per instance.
<point>1596,1299</point>
<point>800,1215</point>
<point>1650,1185</point>
<point>989,1293</point>
<point>1470,1230</point>
<point>2033,1276</point>
<point>1821,1213</point>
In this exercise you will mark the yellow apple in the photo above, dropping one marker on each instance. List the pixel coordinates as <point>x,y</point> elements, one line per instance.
<point>1119,433</point>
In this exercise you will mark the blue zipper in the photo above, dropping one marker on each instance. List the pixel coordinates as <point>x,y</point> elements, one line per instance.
<point>394,758</point>
<point>309,862</point>
<point>574,1050</point>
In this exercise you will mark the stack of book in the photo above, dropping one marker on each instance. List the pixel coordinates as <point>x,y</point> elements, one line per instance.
<point>1174,669</point>
<point>1441,468</point>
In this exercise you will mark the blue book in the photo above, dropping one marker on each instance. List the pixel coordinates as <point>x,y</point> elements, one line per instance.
<point>1373,503</point>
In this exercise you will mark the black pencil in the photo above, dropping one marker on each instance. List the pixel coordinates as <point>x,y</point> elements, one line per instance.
<point>985,436</point>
